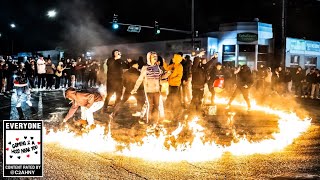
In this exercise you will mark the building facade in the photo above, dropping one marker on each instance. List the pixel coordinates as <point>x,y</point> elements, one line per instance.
<point>302,53</point>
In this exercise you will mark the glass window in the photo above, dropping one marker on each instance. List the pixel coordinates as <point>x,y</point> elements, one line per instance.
<point>295,60</point>
<point>310,61</point>
<point>247,48</point>
<point>262,49</point>
<point>247,55</point>
<point>229,54</point>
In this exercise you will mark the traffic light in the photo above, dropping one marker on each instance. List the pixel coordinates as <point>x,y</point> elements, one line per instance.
<point>156,28</point>
<point>115,24</point>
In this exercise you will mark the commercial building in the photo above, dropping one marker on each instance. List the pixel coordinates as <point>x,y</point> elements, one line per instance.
<point>303,53</point>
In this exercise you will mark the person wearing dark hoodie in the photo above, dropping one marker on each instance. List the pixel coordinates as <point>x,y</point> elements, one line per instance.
<point>186,80</point>
<point>130,78</point>
<point>244,82</point>
<point>115,67</point>
<point>141,62</point>
<point>50,68</point>
<point>198,81</point>
<point>297,79</point>
<point>88,102</point>
<point>151,75</point>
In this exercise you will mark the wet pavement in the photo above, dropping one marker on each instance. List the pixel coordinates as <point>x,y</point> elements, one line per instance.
<point>300,160</point>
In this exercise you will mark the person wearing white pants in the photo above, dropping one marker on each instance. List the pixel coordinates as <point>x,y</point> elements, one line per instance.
<point>89,103</point>
<point>87,113</point>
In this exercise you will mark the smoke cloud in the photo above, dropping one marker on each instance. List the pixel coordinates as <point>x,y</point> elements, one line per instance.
<point>82,28</point>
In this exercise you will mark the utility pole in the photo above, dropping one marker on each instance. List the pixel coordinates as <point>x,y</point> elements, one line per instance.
<point>283,32</point>
<point>11,46</point>
<point>192,24</point>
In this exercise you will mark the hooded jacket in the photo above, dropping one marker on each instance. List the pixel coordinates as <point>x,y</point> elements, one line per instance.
<point>214,75</point>
<point>187,66</point>
<point>198,74</point>
<point>298,77</point>
<point>177,70</point>
<point>130,78</point>
<point>21,79</point>
<point>115,69</point>
<point>245,77</point>
<point>150,76</point>
<point>49,68</point>
<point>83,99</point>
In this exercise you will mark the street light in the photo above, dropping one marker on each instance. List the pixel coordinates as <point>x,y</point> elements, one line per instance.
<point>12,25</point>
<point>52,13</point>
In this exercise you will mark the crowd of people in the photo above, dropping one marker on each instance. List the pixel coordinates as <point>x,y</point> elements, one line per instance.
<point>157,84</point>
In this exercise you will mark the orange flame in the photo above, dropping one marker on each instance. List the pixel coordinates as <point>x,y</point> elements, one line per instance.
<point>162,147</point>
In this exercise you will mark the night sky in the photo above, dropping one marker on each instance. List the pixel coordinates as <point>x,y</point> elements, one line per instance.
<point>80,24</point>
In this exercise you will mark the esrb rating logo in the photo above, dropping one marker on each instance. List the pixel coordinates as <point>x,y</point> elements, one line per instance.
<point>22,145</point>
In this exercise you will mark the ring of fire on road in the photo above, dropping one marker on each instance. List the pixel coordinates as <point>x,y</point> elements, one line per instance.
<point>160,147</point>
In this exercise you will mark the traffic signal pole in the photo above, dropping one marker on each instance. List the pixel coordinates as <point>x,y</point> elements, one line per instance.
<point>192,24</point>
<point>152,27</point>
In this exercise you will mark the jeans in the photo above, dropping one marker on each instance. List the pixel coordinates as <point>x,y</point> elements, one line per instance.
<point>153,107</point>
<point>298,89</point>
<point>87,113</point>
<point>49,81</point>
<point>58,79</point>
<point>244,92</point>
<point>41,80</point>
<point>186,92</point>
<point>113,87</point>
<point>197,95</point>
<point>315,90</point>
<point>140,97</point>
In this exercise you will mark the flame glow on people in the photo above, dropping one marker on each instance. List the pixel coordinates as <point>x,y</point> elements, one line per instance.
<point>162,146</point>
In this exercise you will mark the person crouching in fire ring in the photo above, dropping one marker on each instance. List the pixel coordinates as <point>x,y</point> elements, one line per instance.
<point>88,102</point>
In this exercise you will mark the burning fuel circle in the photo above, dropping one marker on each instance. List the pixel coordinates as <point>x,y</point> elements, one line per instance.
<point>164,144</point>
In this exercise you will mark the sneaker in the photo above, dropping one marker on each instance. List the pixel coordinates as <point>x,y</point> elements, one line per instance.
<point>296,96</point>
<point>249,109</point>
<point>137,114</point>
<point>302,96</point>
<point>166,121</point>
<point>228,107</point>
<point>142,122</point>
<point>29,103</point>
<point>1,94</point>
<point>18,105</point>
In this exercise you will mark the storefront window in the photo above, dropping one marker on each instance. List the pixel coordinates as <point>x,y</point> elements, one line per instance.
<point>294,61</point>
<point>310,61</point>
<point>262,55</point>
<point>247,55</point>
<point>229,55</point>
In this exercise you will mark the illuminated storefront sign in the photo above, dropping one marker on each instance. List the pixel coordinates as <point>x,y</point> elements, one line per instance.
<point>313,46</point>
<point>297,44</point>
<point>247,37</point>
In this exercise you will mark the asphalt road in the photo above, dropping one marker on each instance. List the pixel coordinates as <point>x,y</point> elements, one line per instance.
<point>300,160</point>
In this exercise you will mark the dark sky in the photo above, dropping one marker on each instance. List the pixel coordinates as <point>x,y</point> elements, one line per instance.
<point>85,23</point>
